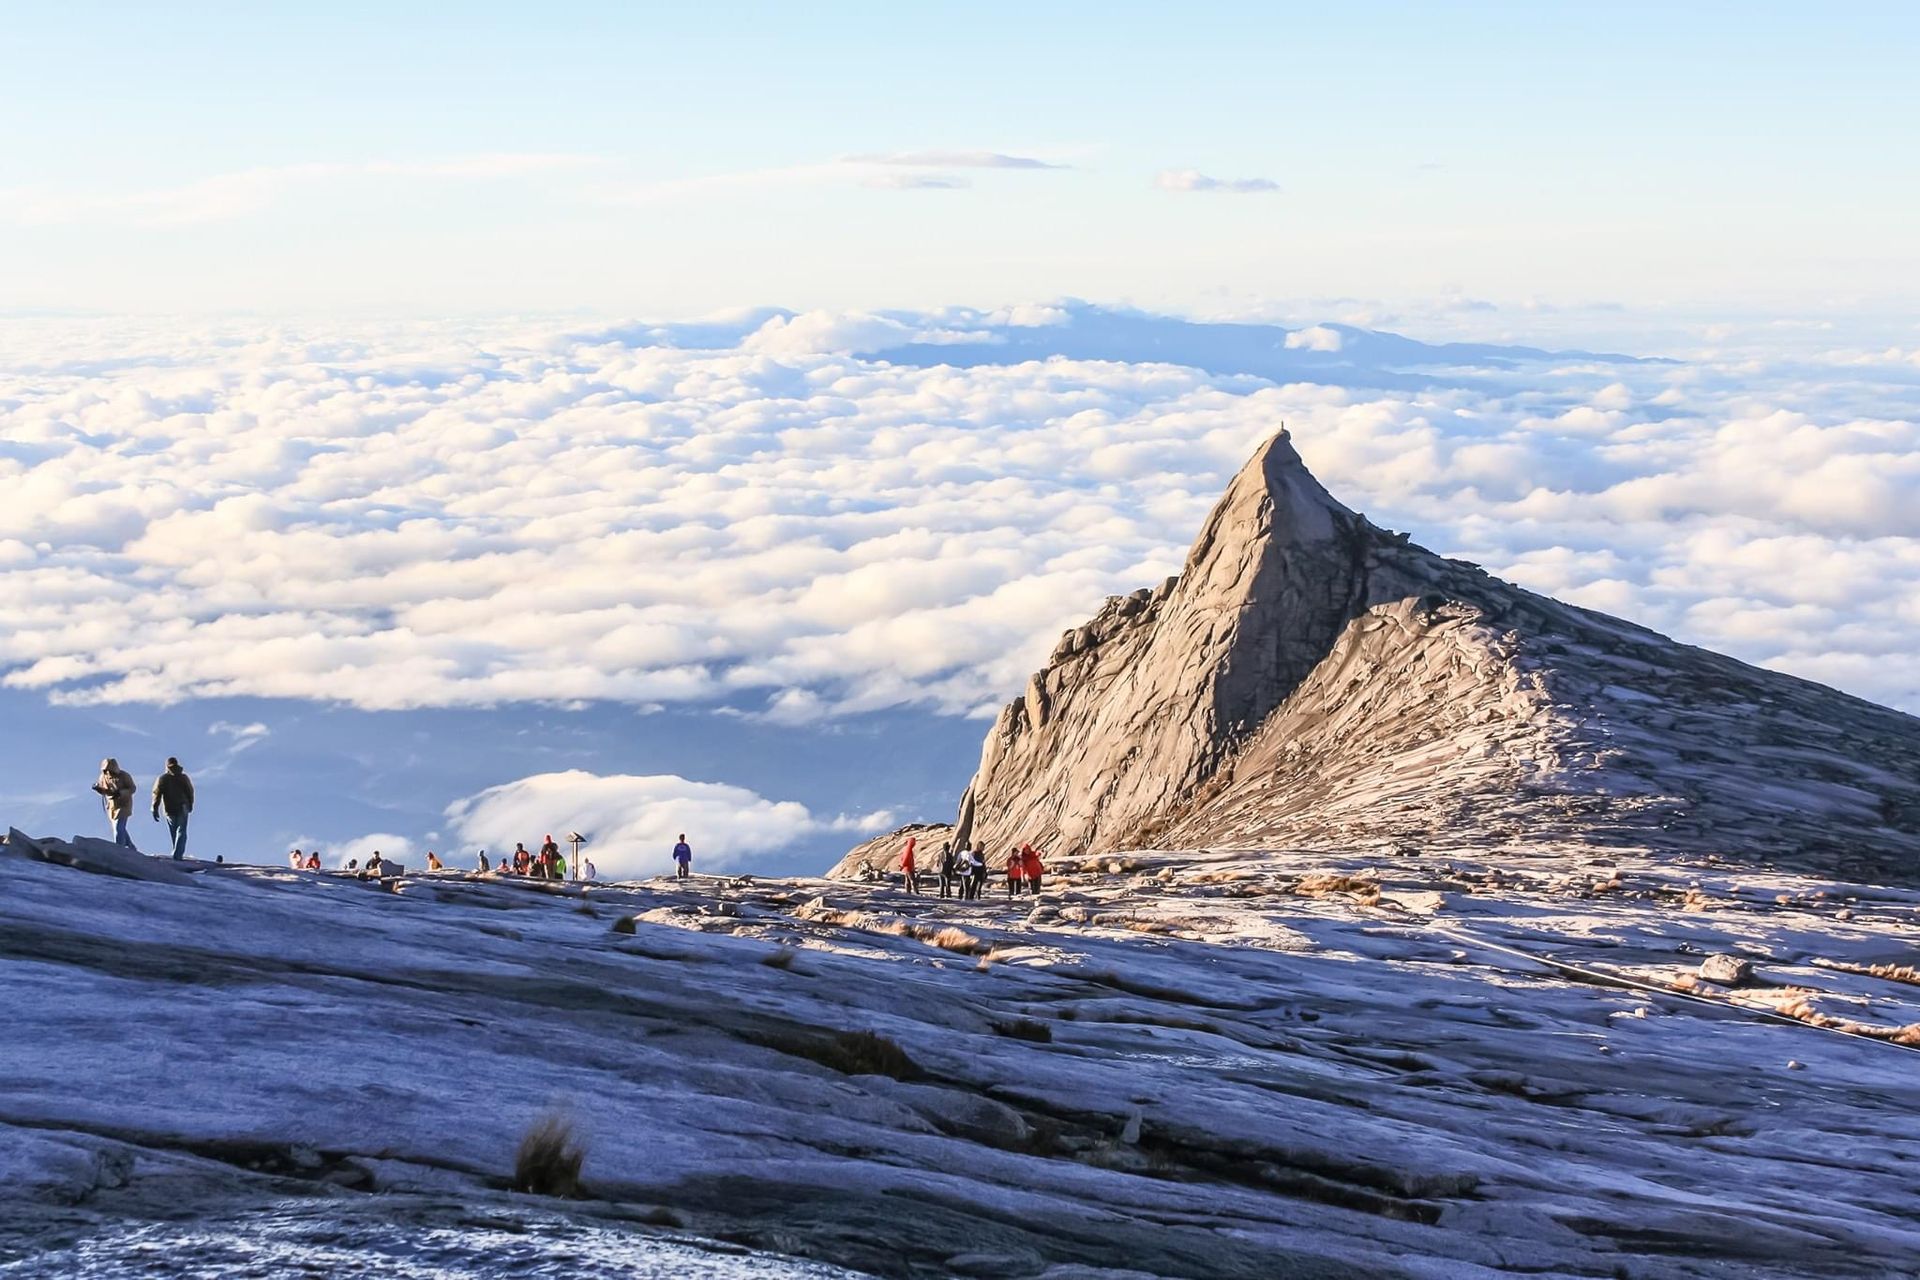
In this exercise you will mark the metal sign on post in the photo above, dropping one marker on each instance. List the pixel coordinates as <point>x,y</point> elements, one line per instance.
<point>576,840</point>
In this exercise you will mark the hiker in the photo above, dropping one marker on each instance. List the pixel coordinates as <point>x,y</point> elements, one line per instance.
<point>373,864</point>
<point>683,858</point>
<point>1030,862</point>
<point>586,869</point>
<point>116,789</point>
<point>296,860</point>
<point>434,863</point>
<point>947,869</point>
<point>1016,872</point>
<point>483,862</point>
<point>353,864</point>
<point>520,858</point>
<point>173,791</point>
<point>910,870</point>
<point>559,865</point>
<point>976,871</point>
<point>313,860</point>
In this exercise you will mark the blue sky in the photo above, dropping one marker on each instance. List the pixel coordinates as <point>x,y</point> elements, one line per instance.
<point>674,160</point>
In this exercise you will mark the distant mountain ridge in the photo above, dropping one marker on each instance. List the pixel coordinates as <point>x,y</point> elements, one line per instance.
<point>1311,680</point>
<point>1334,354</point>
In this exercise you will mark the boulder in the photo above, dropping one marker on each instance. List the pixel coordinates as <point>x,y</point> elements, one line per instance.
<point>1726,970</point>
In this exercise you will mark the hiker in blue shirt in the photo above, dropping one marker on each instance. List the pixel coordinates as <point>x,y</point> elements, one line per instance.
<point>683,857</point>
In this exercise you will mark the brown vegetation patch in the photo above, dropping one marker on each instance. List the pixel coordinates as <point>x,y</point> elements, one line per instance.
<point>1891,972</point>
<point>1025,1029</point>
<point>1322,884</point>
<point>851,1053</point>
<point>549,1159</point>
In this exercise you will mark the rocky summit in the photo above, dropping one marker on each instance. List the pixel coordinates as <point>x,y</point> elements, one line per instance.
<point>1310,680</point>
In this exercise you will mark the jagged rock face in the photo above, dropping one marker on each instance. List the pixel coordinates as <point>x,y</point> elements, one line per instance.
<point>1137,709</point>
<point>1311,680</point>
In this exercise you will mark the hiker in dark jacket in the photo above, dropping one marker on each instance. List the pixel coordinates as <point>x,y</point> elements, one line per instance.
<point>948,869</point>
<point>173,791</point>
<point>976,871</point>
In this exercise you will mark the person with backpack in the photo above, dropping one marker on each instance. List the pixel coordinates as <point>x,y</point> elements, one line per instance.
<point>682,858</point>
<point>910,870</point>
<point>976,870</point>
<point>948,869</point>
<point>1031,864</point>
<point>116,790</point>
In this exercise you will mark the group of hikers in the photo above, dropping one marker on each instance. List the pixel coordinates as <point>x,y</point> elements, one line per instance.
<point>172,792</point>
<point>547,863</point>
<point>963,871</point>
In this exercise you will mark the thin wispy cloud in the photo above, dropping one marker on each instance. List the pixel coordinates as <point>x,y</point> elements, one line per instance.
<point>890,171</point>
<point>954,160</point>
<point>1194,180</point>
<point>916,181</point>
<point>243,193</point>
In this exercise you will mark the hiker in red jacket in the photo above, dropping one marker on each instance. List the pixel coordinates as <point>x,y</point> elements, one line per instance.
<point>1016,872</point>
<point>909,870</point>
<point>1030,862</point>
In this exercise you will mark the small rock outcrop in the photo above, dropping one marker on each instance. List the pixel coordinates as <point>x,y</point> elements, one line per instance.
<point>882,853</point>
<point>1310,680</point>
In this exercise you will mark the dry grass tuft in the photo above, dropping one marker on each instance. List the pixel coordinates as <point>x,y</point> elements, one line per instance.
<point>1025,1029</point>
<point>954,939</point>
<point>549,1159</point>
<point>780,959</point>
<point>624,925</point>
<point>1891,972</point>
<point>1322,884</point>
<point>868,1053</point>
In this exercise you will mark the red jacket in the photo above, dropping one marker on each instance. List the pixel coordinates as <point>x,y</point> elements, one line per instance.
<point>906,859</point>
<point>1031,861</point>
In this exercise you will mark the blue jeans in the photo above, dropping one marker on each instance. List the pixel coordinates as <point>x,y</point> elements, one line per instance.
<point>177,832</point>
<point>120,836</point>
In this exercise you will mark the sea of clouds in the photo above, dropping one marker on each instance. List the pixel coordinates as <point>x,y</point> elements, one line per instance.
<point>767,515</point>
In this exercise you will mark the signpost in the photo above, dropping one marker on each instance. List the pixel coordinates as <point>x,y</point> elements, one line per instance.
<point>576,840</point>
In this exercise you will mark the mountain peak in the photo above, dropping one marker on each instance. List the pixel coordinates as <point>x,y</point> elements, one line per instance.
<point>1309,679</point>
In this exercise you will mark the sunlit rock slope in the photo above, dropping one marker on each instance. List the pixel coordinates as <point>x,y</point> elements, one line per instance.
<point>1310,680</point>
<point>1247,1065</point>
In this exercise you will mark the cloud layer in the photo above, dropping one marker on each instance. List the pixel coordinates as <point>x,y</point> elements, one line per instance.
<point>449,515</point>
